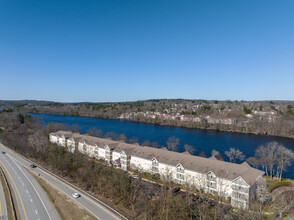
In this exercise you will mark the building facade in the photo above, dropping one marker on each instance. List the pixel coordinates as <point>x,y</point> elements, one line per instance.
<point>237,181</point>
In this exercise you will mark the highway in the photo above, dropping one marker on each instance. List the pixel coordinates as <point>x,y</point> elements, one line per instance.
<point>3,207</point>
<point>93,206</point>
<point>32,201</point>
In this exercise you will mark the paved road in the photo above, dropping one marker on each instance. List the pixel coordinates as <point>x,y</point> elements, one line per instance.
<point>92,206</point>
<point>3,207</point>
<point>32,201</point>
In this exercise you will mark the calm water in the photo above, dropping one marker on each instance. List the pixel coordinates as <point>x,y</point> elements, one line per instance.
<point>202,140</point>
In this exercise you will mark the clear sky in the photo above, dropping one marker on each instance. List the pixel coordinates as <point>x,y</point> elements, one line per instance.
<point>129,50</point>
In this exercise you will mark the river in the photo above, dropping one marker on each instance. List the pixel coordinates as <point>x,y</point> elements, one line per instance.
<point>202,140</point>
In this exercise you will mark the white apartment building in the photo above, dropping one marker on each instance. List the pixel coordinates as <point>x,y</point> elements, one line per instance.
<point>237,181</point>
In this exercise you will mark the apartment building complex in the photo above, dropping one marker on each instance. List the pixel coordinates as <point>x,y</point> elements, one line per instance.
<point>237,181</point>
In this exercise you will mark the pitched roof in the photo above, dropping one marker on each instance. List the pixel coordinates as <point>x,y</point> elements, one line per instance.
<point>212,157</point>
<point>245,164</point>
<point>220,168</point>
<point>186,152</point>
<point>66,134</point>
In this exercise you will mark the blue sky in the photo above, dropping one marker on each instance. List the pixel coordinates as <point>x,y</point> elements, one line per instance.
<point>131,50</point>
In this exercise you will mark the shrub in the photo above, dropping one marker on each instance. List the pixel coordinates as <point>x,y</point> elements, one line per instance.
<point>276,185</point>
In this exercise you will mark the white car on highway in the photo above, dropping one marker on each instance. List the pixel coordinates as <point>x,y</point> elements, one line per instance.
<point>76,195</point>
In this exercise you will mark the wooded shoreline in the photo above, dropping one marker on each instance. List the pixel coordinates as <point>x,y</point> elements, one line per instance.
<point>170,125</point>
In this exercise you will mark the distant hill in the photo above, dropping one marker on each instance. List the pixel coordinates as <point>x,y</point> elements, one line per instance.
<point>23,102</point>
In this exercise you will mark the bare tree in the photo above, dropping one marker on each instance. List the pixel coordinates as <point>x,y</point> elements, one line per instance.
<point>219,157</point>
<point>146,143</point>
<point>214,153</point>
<point>173,143</point>
<point>95,132</point>
<point>190,149</point>
<point>133,140</point>
<point>111,135</point>
<point>234,155</point>
<point>155,145</point>
<point>272,154</point>
<point>253,161</point>
<point>202,154</point>
<point>261,156</point>
<point>285,158</point>
<point>76,128</point>
<point>53,127</point>
<point>122,137</point>
<point>38,141</point>
<point>262,194</point>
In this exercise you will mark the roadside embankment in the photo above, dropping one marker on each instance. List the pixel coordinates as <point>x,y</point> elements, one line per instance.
<point>65,206</point>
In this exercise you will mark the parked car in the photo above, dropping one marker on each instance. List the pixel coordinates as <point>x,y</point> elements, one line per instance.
<point>76,195</point>
<point>3,152</point>
<point>135,177</point>
<point>33,166</point>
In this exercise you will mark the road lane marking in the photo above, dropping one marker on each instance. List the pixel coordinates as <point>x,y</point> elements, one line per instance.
<point>72,189</point>
<point>31,185</point>
<point>16,191</point>
<point>15,156</point>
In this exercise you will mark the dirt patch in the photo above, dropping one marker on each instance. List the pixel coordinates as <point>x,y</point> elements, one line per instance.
<point>65,206</point>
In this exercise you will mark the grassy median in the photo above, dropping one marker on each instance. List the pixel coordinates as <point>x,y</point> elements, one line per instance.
<point>9,205</point>
<point>65,206</point>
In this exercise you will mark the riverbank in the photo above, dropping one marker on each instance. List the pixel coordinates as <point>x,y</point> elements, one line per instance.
<point>218,128</point>
<point>272,118</point>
